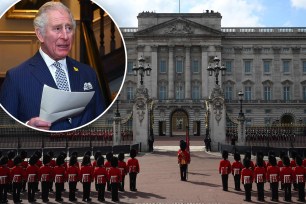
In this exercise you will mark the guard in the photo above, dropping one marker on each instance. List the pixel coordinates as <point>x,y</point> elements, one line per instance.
<point>183,159</point>
<point>133,168</point>
<point>225,169</point>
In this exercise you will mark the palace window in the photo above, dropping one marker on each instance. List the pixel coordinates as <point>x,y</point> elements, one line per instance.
<point>248,93</point>
<point>162,66</point>
<point>267,93</point>
<point>130,67</point>
<point>179,65</point>
<point>304,67</point>
<point>304,93</point>
<point>196,92</point>
<point>162,93</point>
<point>266,66</point>
<point>228,92</point>
<point>247,66</point>
<point>286,66</point>
<point>179,92</point>
<point>228,66</point>
<point>286,93</point>
<point>195,66</point>
<point>129,93</point>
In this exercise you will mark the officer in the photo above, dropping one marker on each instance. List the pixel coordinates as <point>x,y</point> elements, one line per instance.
<point>183,160</point>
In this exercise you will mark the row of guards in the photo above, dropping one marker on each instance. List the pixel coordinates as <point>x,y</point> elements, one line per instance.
<point>269,133</point>
<point>105,134</point>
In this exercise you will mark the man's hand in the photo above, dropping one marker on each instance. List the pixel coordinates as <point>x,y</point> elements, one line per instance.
<point>38,123</point>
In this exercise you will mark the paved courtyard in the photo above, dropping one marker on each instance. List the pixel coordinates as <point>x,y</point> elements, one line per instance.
<point>159,180</point>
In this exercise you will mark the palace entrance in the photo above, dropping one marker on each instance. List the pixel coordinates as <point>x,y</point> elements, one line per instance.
<point>179,121</point>
<point>287,119</point>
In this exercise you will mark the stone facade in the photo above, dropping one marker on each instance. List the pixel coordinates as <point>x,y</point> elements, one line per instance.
<point>267,64</point>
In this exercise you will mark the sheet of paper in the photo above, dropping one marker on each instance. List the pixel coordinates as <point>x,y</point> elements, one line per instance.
<point>57,104</point>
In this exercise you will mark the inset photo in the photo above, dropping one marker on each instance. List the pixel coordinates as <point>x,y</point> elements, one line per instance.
<point>62,64</point>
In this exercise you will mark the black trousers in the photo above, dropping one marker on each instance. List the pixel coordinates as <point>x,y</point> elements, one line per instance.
<point>45,190</point>
<point>274,190</point>
<point>183,171</point>
<point>86,190</point>
<point>3,192</point>
<point>133,177</point>
<point>31,191</point>
<point>72,189</point>
<point>301,189</point>
<point>237,182</point>
<point>16,190</point>
<point>59,187</point>
<point>260,191</point>
<point>121,188</point>
<point>225,181</point>
<point>247,191</point>
<point>114,187</point>
<point>287,189</point>
<point>101,191</point>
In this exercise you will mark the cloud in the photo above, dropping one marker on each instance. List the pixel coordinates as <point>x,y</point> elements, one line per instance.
<point>298,4</point>
<point>238,13</point>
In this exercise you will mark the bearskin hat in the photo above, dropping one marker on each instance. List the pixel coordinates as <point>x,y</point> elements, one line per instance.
<point>33,160</point>
<point>133,153</point>
<point>97,154</point>
<point>60,160</point>
<point>38,153</point>
<point>272,160</point>
<point>237,156</point>
<point>121,156</point>
<point>86,160</point>
<point>100,161</point>
<point>293,154</point>
<point>11,154</point>
<point>88,153</point>
<point>74,154</point>
<point>183,145</point>
<point>114,162</point>
<point>246,163</point>
<point>281,155</point>
<point>286,161</point>
<point>299,160</point>
<point>109,156</point>
<point>46,159</point>
<point>73,160</point>
<point>23,154</point>
<point>51,154</point>
<point>247,155</point>
<point>225,154</point>
<point>3,160</point>
<point>17,160</point>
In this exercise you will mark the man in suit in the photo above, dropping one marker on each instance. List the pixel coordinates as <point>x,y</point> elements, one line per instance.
<point>22,89</point>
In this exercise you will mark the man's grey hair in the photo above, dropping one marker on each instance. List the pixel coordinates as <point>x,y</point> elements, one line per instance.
<point>41,18</point>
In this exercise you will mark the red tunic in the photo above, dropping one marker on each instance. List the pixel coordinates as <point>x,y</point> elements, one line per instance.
<point>299,173</point>
<point>114,175</point>
<point>123,168</point>
<point>304,163</point>
<point>237,166</point>
<point>17,174</point>
<point>286,174</point>
<point>32,173</point>
<point>52,163</point>
<point>133,165</point>
<point>59,174</point>
<point>183,157</point>
<point>100,175</point>
<point>24,165</point>
<point>273,174</point>
<point>73,174</point>
<point>4,174</point>
<point>260,174</point>
<point>225,167</point>
<point>45,173</point>
<point>107,165</point>
<point>246,176</point>
<point>292,163</point>
<point>39,163</point>
<point>86,174</point>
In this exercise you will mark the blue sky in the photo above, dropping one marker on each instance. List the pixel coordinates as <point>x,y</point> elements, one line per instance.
<point>235,13</point>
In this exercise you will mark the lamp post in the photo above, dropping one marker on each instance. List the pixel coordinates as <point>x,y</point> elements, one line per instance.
<point>141,69</point>
<point>241,116</point>
<point>117,114</point>
<point>216,69</point>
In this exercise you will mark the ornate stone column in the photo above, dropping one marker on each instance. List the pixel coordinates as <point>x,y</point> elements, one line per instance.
<point>141,118</point>
<point>204,72</point>
<point>171,74</point>
<point>187,74</point>
<point>154,63</point>
<point>217,117</point>
<point>116,130</point>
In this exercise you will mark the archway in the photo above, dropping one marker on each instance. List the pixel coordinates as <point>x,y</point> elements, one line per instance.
<point>179,121</point>
<point>287,118</point>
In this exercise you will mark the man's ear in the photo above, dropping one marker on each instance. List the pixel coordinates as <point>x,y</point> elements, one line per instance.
<point>39,35</point>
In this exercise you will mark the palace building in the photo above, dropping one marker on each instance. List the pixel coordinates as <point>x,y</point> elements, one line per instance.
<point>267,64</point>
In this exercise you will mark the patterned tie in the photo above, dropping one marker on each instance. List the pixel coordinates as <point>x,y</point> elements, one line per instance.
<point>60,77</point>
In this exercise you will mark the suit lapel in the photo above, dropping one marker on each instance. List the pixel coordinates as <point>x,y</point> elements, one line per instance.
<point>74,76</point>
<point>40,71</point>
